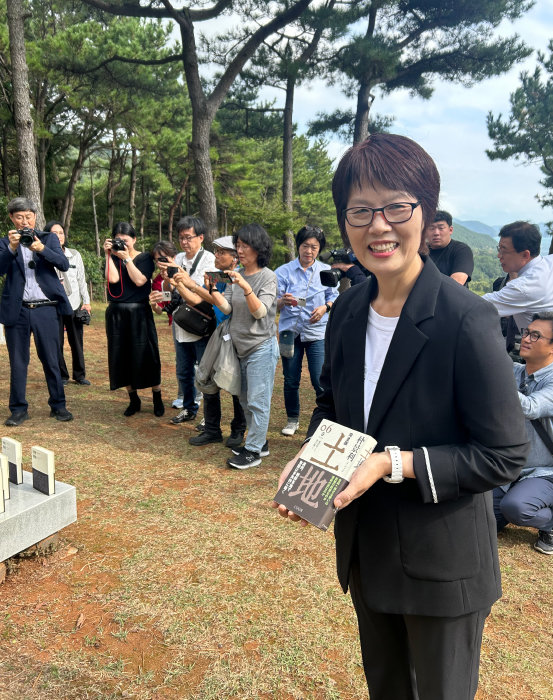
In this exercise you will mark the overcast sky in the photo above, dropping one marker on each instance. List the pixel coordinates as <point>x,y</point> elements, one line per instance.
<point>451,126</point>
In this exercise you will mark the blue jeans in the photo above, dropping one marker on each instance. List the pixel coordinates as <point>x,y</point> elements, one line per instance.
<point>258,378</point>
<point>187,354</point>
<point>528,503</point>
<point>291,368</point>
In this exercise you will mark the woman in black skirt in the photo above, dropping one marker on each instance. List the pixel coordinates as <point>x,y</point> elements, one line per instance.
<point>133,353</point>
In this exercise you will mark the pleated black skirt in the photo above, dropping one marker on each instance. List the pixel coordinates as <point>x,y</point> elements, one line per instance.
<point>133,352</point>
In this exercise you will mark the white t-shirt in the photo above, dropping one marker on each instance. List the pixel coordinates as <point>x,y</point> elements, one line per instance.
<point>207,262</point>
<point>380,330</point>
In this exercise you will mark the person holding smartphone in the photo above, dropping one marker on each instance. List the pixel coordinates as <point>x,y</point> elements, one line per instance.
<point>304,304</point>
<point>226,259</point>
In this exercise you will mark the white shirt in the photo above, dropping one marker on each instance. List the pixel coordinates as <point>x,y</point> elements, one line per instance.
<point>380,330</point>
<point>207,262</point>
<point>529,293</point>
<point>74,281</point>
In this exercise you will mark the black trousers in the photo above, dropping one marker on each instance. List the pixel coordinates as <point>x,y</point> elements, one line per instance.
<point>43,323</point>
<point>212,414</point>
<point>75,338</point>
<point>418,657</point>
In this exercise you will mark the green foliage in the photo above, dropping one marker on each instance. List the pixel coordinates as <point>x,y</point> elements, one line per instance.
<point>486,264</point>
<point>409,43</point>
<point>526,134</point>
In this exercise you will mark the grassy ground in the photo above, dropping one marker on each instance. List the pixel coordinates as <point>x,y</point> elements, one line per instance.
<point>179,581</point>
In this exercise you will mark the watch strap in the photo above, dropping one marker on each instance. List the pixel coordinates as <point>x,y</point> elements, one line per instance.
<point>396,477</point>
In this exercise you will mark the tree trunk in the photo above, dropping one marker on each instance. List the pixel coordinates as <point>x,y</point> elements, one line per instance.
<point>288,163</point>
<point>132,189</point>
<point>69,200</point>
<point>174,207</point>
<point>95,215</point>
<point>204,175</point>
<point>364,102</point>
<point>22,109</point>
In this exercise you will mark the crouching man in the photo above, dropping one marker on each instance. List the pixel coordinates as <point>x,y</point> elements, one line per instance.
<point>32,300</point>
<point>528,501</point>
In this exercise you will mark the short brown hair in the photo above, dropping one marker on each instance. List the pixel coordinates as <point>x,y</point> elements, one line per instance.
<point>390,160</point>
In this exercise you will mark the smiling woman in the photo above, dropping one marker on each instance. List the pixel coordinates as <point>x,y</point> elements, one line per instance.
<point>415,538</point>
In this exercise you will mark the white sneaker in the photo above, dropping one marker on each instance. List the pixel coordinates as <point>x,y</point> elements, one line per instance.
<point>290,427</point>
<point>177,403</point>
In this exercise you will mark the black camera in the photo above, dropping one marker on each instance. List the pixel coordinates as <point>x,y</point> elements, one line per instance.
<point>331,278</point>
<point>339,255</point>
<point>172,271</point>
<point>26,237</point>
<point>82,316</point>
<point>118,244</point>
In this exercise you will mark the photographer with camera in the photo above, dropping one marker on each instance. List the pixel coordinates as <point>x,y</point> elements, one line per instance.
<point>32,300</point>
<point>304,302</point>
<point>133,353</point>
<point>226,260</point>
<point>343,263</point>
<point>74,285</point>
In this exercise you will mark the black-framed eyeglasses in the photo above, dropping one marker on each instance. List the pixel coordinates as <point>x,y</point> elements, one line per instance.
<point>505,252</point>
<point>187,239</point>
<point>396,213</point>
<point>533,335</point>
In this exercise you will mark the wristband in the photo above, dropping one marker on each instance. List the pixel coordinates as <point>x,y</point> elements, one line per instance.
<point>396,477</point>
<point>248,294</point>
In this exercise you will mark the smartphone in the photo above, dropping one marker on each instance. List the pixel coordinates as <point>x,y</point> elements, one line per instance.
<point>172,271</point>
<point>215,276</point>
<point>162,258</point>
<point>165,296</point>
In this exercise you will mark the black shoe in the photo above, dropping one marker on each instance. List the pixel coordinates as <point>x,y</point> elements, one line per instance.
<point>235,439</point>
<point>244,459</point>
<point>183,416</point>
<point>205,439</point>
<point>16,418</point>
<point>264,450</point>
<point>134,405</point>
<point>82,382</point>
<point>201,426</point>
<point>159,408</point>
<point>61,414</point>
<point>544,543</point>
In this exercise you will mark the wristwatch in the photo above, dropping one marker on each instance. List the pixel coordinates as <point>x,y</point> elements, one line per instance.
<point>127,261</point>
<point>328,307</point>
<point>396,477</point>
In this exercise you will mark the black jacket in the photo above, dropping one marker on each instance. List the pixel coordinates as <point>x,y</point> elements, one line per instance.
<point>446,384</point>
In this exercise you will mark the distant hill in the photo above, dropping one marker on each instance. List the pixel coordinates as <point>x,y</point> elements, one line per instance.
<point>477,241</point>
<point>479,227</point>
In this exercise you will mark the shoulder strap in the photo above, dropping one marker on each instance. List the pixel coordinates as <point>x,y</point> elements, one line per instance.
<point>195,265</point>
<point>542,432</point>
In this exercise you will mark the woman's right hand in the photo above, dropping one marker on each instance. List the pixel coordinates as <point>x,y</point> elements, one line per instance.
<point>107,245</point>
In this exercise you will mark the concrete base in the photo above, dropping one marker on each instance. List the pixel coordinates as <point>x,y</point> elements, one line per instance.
<point>31,516</point>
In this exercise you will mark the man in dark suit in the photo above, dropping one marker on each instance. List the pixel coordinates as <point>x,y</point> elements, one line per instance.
<point>32,300</point>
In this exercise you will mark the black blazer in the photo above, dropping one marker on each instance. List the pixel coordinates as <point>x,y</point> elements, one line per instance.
<point>46,261</point>
<point>446,384</point>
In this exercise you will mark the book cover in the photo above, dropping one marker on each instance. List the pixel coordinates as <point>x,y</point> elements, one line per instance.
<point>12,450</point>
<point>4,477</point>
<point>324,470</point>
<point>43,470</point>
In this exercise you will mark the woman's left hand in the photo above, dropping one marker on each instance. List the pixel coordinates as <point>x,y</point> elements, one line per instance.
<point>317,314</point>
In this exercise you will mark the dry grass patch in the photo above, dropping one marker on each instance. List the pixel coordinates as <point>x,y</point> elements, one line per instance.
<point>179,581</point>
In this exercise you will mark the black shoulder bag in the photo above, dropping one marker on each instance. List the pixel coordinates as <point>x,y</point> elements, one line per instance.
<point>199,319</point>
